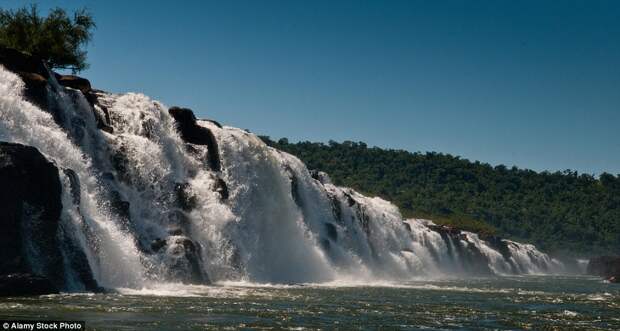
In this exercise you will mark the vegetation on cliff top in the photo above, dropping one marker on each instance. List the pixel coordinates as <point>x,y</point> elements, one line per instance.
<point>57,39</point>
<point>560,211</point>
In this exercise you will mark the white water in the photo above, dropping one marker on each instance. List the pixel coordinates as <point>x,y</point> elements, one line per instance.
<point>278,225</point>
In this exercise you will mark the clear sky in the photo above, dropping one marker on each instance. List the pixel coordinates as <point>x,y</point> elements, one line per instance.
<point>529,83</point>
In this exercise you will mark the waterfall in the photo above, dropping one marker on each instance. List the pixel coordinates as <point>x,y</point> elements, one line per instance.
<point>145,204</point>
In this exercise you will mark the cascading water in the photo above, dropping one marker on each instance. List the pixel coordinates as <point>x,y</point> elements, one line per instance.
<point>146,203</point>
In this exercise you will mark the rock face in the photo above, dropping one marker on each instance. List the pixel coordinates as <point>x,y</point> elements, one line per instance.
<point>32,71</point>
<point>605,266</point>
<point>30,209</point>
<point>21,284</point>
<point>195,134</point>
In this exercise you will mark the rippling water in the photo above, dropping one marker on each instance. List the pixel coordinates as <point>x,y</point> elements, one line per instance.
<point>527,302</point>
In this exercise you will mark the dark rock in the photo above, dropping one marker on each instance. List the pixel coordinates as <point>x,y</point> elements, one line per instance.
<point>295,189</point>
<point>158,244</point>
<point>17,61</point>
<point>604,266</point>
<point>407,226</point>
<point>36,89</point>
<point>75,82</point>
<point>363,218</point>
<point>33,72</point>
<point>25,284</point>
<point>336,209</point>
<point>103,118</point>
<point>332,232</point>
<point>74,181</point>
<point>119,206</point>
<point>350,200</point>
<point>184,260</point>
<point>186,200</point>
<point>221,188</point>
<point>120,162</point>
<point>320,176</point>
<point>444,229</point>
<point>193,133</point>
<point>31,204</point>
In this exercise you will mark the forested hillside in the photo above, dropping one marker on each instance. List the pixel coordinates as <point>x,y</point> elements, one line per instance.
<point>559,212</point>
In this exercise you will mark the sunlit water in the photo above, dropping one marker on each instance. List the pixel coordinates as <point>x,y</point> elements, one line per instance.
<point>507,303</point>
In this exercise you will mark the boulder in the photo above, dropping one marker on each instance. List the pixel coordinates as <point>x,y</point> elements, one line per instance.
<point>604,266</point>
<point>195,134</point>
<point>30,209</point>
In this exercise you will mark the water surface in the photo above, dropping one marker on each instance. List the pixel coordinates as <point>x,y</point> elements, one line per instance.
<point>525,302</point>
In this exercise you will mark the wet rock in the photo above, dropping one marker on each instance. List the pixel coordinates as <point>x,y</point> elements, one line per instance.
<point>30,207</point>
<point>332,232</point>
<point>445,229</point>
<point>364,220</point>
<point>501,246</point>
<point>193,133</point>
<point>119,206</point>
<point>407,226</point>
<point>185,199</point>
<point>183,258</point>
<point>74,181</point>
<point>320,176</point>
<point>120,162</point>
<point>18,61</point>
<point>102,114</point>
<point>295,189</point>
<point>33,72</point>
<point>25,284</point>
<point>221,188</point>
<point>75,82</point>
<point>349,198</point>
<point>336,208</point>
<point>158,244</point>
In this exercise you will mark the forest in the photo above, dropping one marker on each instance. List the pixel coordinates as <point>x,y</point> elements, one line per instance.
<point>561,212</point>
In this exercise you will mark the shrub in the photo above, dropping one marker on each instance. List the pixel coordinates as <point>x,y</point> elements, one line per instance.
<point>57,39</point>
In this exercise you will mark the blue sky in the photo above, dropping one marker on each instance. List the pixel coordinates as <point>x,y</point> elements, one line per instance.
<point>529,83</point>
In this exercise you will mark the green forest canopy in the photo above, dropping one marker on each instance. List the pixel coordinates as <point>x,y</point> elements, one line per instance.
<point>559,212</point>
<point>58,39</point>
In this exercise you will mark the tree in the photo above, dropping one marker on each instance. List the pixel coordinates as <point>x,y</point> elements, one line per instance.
<point>57,39</point>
